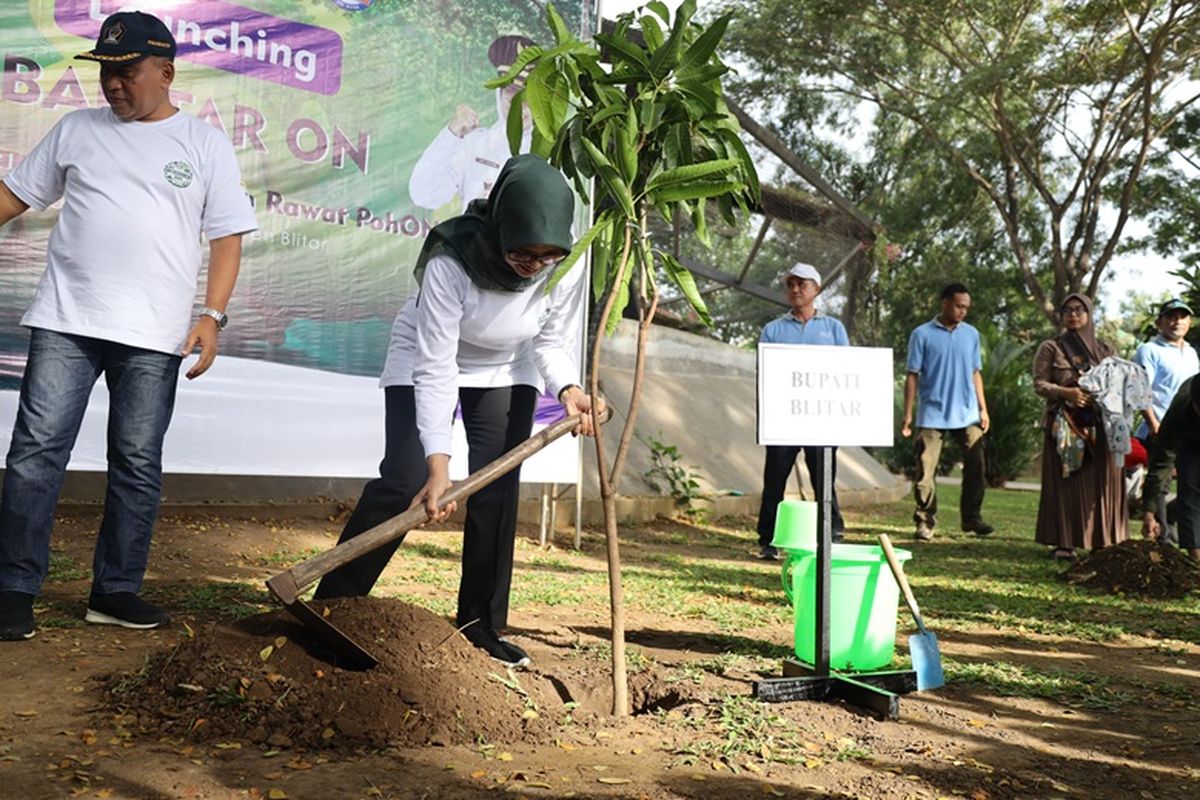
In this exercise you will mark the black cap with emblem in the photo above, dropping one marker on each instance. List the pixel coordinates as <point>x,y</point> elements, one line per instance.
<point>129,36</point>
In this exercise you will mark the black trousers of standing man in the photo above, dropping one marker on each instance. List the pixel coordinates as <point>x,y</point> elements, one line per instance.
<point>496,420</point>
<point>776,470</point>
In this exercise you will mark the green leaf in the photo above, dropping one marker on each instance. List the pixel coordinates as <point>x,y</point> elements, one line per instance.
<point>678,146</point>
<point>652,32</point>
<point>578,154</point>
<point>611,178</point>
<point>628,147</point>
<point>562,34</point>
<point>749,171</point>
<point>539,95</point>
<point>624,47</point>
<point>701,94</point>
<point>580,248</point>
<point>601,258</point>
<point>574,47</point>
<point>700,223</point>
<point>539,145</point>
<point>618,309</point>
<point>650,111</point>
<point>701,50</point>
<point>693,191</point>
<point>523,58</point>
<point>605,114</point>
<point>702,75</point>
<point>693,172</point>
<point>515,124</point>
<point>661,9</point>
<point>667,57</point>
<point>686,282</point>
<point>624,76</point>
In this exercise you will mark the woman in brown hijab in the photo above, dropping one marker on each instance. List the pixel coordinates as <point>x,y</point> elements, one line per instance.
<point>1083,492</point>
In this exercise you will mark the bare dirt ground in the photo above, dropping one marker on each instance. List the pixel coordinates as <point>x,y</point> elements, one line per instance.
<point>94,711</point>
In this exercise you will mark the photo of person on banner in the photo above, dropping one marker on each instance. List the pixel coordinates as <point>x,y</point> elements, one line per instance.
<point>483,330</point>
<point>140,182</point>
<point>464,159</point>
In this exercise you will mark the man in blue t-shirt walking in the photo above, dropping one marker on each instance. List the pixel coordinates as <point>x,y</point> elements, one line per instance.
<point>802,325</point>
<point>944,365</point>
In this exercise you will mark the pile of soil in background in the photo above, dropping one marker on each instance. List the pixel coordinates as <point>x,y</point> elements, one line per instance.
<point>266,680</point>
<point>1137,566</point>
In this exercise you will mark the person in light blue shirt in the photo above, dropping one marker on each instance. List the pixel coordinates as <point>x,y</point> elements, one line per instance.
<point>944,363</point>
<point>803,324</point>
<point>1168,360</point>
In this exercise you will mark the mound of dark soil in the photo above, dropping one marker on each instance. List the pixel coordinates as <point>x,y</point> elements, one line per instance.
<point>266,680</point>
<point>1137,566</point>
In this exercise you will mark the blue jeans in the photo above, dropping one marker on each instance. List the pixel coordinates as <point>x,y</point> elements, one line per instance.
<point>59,376</point>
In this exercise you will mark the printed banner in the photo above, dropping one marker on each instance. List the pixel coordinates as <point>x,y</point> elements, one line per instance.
<point>358,126</point>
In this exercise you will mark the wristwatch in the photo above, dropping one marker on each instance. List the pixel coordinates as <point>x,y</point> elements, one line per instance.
<point>220,317</point>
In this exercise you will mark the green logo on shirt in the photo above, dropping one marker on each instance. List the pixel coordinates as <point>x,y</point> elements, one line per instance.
<point>178,173</point>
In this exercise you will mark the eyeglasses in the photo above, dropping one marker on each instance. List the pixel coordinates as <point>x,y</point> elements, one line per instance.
<point>528,259</point>
<point>1068,310</point>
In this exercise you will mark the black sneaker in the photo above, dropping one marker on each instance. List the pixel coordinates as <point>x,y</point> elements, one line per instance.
<point>125,609</point>
<point>768,553</point>
<point>16,616</point>
<point>487,640</point>
<point>517,653</point>
<point>979,528</point>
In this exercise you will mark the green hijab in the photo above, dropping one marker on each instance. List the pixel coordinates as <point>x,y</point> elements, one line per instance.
<point>530,204</point>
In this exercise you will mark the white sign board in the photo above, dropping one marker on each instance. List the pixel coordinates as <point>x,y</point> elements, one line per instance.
<point>825,395</point>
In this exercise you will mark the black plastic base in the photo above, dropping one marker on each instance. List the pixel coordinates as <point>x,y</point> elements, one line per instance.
<point>876,692</point>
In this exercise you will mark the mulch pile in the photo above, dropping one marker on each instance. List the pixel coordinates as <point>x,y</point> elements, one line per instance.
<point>265,680</point>
<point>1137,566</point>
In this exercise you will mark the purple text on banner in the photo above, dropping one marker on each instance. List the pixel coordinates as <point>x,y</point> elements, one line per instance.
<point>230,37</point>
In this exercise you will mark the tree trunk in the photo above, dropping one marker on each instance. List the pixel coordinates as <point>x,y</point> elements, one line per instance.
<point>608,498</point>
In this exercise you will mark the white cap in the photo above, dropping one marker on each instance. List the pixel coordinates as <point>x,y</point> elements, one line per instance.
<point>806,271</point>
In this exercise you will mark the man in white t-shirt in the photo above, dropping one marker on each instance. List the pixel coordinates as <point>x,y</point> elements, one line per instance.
<point>464,159</point>
<point>140,182</point>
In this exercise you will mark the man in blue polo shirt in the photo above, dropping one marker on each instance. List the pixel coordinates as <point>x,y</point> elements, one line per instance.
<point>944,371</point>
<point>801,325</point>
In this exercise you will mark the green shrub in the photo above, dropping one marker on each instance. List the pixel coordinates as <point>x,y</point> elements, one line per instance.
<point>1015,410</point>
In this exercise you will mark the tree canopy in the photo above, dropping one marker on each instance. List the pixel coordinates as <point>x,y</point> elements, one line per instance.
<point>1011,132</point>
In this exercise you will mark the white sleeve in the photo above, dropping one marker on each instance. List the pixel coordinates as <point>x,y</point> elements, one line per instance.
<point>435,362</point>
<point>39,180</point>
<point>227,208</point>
<point>556,345</point>
<point>438,175</point>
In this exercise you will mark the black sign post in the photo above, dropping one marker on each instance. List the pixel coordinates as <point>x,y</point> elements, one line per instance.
<point>877,692</point>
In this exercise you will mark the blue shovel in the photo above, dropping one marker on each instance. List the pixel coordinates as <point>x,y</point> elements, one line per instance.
<point>923,645</point>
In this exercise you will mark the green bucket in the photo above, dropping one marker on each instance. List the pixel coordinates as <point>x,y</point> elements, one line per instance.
<point>796,525</point>
<point>863,597</point>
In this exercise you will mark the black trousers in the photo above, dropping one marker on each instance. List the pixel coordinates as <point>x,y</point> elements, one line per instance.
<point>1187,475</point>
<point>776,470</point>
<point>496,420</point>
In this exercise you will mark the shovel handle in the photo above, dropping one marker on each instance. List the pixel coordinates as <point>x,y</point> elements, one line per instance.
<point>901,579</point>
<point>287,585</point>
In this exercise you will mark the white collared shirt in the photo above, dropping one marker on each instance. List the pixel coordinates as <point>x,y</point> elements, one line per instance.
<point>453,334</point>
